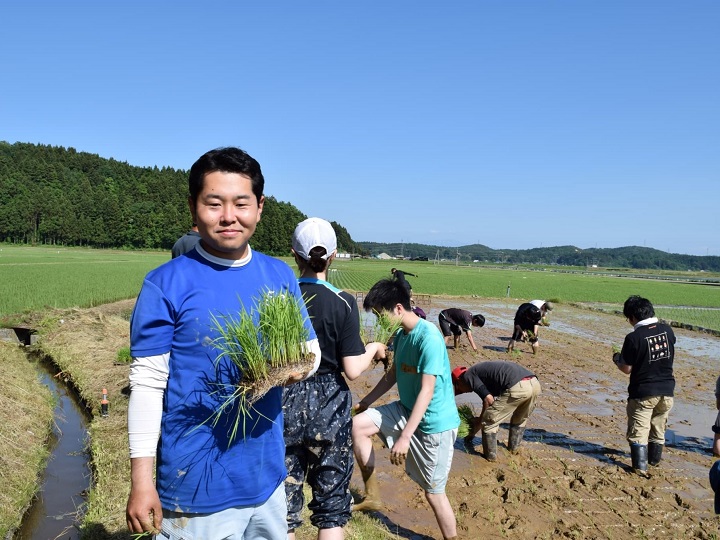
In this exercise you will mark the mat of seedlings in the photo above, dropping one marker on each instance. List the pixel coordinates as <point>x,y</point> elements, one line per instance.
<point>572,478</point>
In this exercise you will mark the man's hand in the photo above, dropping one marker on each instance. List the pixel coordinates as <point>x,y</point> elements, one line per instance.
<point>143,512</point>
<point>488,401</point>
<point>399,450</point>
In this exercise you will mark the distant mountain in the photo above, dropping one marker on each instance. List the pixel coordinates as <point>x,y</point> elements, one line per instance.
<point>623,257</point>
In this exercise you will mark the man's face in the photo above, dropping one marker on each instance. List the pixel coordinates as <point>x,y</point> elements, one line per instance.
<point>226,213</point>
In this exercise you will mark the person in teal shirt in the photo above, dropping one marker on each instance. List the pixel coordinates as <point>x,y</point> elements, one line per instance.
<point>421,427</point>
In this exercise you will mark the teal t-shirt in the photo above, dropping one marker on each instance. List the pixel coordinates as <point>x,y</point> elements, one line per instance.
<point>422,351</point>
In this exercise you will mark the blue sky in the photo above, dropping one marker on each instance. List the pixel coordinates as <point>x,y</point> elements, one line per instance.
<point>512,124</point>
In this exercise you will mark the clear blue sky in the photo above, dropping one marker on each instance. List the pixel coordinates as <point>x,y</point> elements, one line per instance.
<point>513,124</point>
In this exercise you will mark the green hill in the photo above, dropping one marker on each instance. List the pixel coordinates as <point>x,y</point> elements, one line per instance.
<point>624,257</point>
<point>59,196</point>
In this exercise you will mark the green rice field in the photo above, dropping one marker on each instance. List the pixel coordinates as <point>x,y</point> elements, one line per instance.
<point>33,278</point>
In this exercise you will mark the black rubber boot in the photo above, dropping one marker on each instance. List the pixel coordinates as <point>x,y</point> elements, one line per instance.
<point>515,437</point>
<point>489,442</point>
<point>639,456</point>
<point>655,453</point>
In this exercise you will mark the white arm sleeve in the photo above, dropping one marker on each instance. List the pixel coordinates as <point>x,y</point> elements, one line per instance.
<point>148,380</point>
<point>314,346</point>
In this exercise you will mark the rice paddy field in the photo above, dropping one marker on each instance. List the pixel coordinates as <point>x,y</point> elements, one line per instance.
<point>34,278</point>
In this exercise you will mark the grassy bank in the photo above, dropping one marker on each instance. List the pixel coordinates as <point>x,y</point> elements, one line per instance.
<point>26,416</point>
<point>84,344</point>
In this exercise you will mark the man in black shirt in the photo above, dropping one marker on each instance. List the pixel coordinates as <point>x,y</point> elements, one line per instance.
<point>647,356</point>
<point>455,321</point>
<point>527,320</point>
<point>508,392</point>
<point>399,275</point>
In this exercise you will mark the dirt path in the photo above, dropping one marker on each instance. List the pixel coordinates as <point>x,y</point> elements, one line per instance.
<point>572,478</point>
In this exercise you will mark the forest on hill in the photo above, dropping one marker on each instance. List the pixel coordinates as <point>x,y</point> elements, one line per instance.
<point>624,257</point>
<point>59,196</point>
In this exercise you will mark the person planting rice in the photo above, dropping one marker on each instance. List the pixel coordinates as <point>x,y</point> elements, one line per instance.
<point>318,423</point>
<point>508,392</point>
<point>526,324</point>
<point>455,321</point>
<point>420,428</point>
<point>209,484</point>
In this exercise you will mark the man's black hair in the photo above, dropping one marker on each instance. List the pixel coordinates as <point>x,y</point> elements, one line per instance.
<point>228,160</point>
<point>385,295</point>
<point>638,308</point>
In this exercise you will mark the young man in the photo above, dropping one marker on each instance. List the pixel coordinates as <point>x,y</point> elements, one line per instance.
<point>508,391</point>
<point>647,356</point>
<point>420,429</point>
<point>527,319</point>
<point>455,321</point>
<point>209,483</point>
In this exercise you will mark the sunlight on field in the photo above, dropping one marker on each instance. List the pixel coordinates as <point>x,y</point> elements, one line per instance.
<point>34,277</point>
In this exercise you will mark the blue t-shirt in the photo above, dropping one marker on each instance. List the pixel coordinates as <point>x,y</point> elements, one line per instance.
<point>423,351</point>
<point>198,469</point>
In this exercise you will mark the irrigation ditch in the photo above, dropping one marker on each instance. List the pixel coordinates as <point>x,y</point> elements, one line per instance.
<point>60,500</point>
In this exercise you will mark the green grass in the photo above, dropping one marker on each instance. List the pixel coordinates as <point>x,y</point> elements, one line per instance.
<point>32,278</point>
<point>359,275</point>
<point>703,317</point>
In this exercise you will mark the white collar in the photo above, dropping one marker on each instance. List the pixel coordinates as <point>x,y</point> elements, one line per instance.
<point>645,322</point>
<point>230,263</point>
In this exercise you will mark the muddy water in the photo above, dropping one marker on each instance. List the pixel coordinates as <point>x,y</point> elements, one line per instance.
<point>67,476</point>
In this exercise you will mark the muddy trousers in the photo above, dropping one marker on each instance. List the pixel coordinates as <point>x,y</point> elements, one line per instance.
<point>318,450</point>
<point>515,404</point>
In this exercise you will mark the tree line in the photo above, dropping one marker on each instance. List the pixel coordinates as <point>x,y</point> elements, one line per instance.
<point>59,196</point>
<point>624,257</point>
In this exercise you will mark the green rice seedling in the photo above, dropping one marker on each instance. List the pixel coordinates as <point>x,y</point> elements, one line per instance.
<point>383,330</point>
<point>467,417</point>
<point>266,354</point>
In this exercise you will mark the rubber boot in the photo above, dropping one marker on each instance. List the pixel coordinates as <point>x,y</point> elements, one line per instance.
<point>489,442</point>
<point>515,437</point>
<point>639,456</point>
<point>371,502</point>
<point>655,453</point>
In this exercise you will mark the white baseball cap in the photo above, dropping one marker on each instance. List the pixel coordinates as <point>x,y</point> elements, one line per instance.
<point>311,233</point>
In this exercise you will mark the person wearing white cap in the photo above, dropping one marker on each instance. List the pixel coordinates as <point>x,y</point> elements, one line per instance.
<point>318,423</point>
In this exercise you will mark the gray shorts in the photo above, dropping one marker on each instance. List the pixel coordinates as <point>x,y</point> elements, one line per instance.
<point>266,520</point>
<point>430,455</point>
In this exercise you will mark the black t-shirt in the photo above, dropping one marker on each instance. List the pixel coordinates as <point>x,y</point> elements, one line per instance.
<point>460,317</point>
<point>650,350</point>
<point>335,317</point>
<point>528,314</point>
<point>494,377</point>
